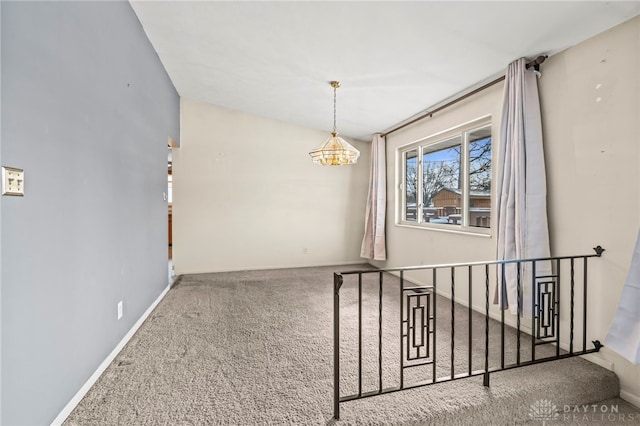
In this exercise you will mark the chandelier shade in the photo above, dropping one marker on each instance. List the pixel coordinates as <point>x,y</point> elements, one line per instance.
<point>335,151</point>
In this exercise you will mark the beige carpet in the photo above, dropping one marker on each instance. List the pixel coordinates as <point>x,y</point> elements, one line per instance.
<point>255,348</point>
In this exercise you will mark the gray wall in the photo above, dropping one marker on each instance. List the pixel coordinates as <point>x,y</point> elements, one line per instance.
<point>86,111</point>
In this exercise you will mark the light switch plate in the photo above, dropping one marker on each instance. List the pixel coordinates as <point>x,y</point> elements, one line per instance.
<point>12,181</point>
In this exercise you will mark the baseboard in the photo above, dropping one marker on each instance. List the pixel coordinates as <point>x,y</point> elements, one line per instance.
<point>596,359</point>
<point>96,375</point>
<point>630,397</point>
<point>266,268</point>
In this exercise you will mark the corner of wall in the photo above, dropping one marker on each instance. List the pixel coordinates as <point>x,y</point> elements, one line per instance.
<point>1,126</point>
<point>628,373</point>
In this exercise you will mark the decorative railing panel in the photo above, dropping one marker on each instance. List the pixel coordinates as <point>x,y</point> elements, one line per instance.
<point>400,335</point>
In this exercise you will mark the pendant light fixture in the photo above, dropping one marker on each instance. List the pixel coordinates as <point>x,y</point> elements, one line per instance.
<point>335,151</point>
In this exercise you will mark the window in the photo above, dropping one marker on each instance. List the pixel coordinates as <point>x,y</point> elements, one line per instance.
<point>446,179</point>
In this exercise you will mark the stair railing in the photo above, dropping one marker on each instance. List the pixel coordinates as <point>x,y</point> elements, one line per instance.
<point>551,316</point>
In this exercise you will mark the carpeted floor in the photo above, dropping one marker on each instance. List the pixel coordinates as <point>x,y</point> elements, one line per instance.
<point>255,348</point>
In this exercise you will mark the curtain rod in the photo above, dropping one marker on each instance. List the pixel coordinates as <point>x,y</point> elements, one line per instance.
<point>535,64</point>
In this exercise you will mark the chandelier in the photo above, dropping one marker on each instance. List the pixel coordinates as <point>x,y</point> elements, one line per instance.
<point>335,151</point>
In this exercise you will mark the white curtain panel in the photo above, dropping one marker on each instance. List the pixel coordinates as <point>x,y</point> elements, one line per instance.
<point>522,195</point>
<point>624,333</point>
<point>373,243</point>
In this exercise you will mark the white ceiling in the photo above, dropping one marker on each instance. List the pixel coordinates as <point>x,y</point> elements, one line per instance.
<point>394,59</point>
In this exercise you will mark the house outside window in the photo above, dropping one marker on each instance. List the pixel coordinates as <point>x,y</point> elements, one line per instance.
<point>446,179</point>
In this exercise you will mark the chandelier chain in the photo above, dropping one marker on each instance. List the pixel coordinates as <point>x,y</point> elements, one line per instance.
<point>335,151</point>
<point>334,109</point>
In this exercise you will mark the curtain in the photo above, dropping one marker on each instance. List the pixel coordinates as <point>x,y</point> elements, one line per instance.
<point>624,333</point>
<point>373,242</point>
<point>522,207</point>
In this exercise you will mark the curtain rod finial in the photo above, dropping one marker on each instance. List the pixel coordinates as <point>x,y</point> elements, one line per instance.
<point>536,62</point>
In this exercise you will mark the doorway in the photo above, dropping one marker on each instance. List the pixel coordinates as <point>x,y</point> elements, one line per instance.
<point>170,213</point>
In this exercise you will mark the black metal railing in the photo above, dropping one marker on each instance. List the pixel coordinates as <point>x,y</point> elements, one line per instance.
<point>433,320</point>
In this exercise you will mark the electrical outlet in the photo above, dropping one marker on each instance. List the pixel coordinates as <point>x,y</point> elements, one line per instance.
<point>12,181</point>
<point>120,312</point>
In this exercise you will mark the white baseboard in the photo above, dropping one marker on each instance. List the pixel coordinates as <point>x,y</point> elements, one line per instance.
<point>270,267</point>
<point>96,375</point>
<point>597,359</point>
<point>632,398</point>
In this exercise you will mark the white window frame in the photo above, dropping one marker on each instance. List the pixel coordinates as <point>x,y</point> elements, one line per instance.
<point>433,143</point>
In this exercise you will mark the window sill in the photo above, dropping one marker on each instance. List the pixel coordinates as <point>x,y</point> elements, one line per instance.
<point>450,229</point>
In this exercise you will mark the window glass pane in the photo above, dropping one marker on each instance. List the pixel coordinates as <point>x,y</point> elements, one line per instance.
<point>448,182</point>
<point>480,178</point>
<point>441,189</point>
<point>411,185</point>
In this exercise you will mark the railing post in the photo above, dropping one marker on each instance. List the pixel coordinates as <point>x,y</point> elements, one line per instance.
<point>485,382</point>
<point>584,306</point>
<point>453,319</point>
<point>359,334</point>
<point>557,308</point>
<point>434,366</point>
<point>380,335</point>
<point>470,313</point>
<point>534,310</point>
<point>337,283</point>
<point>402,329</point>
<point>571,318</point>
<point>503,307</point>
